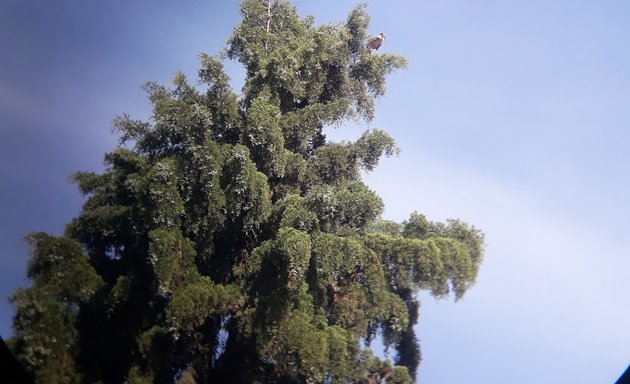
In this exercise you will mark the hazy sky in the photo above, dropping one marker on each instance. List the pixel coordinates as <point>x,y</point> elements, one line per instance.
<point>513,116</point>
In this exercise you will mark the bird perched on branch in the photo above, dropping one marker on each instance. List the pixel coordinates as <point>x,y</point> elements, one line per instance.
<point>376,42</point>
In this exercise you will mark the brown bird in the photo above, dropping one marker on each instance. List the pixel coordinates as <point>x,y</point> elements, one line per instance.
<point>376,42</point>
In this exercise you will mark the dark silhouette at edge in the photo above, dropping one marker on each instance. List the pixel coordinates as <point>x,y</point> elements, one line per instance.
<point>11,371</point>
<point>625,377</point>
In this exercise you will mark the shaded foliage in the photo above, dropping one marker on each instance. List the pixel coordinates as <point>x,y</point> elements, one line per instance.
<point>228,241</point>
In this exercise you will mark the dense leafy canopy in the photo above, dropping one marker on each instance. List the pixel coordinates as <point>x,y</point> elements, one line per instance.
<point>228,241</point>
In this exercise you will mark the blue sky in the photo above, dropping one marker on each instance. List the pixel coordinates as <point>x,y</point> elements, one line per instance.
<point>512,116</point>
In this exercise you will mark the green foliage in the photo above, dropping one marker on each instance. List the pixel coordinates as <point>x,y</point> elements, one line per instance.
<point>193,303</point>
<point>295,214</point>
<point>228,241</point>
<point>387,227</point>
<point>263,135</point>
<point>247,197</point>
<point>346,208</point>
<point>53,261</point>
<point>371,145</point>
<point>45,335</point>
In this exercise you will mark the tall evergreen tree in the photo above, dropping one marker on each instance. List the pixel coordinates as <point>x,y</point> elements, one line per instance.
<point>227,241</point>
